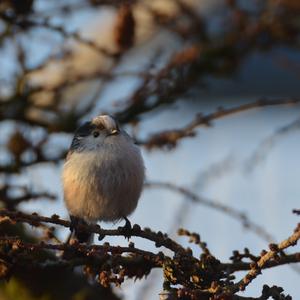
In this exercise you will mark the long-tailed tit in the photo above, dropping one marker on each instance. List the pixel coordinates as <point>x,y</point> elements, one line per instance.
<point>103,174</point>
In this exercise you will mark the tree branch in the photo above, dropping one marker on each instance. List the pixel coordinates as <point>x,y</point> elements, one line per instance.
<point>170,138</point>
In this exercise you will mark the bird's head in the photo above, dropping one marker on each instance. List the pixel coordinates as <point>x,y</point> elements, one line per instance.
<point>91,135</point>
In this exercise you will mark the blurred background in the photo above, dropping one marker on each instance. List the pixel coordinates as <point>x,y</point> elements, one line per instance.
<point>158,67</point>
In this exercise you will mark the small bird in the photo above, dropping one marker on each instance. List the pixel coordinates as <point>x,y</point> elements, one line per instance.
<point>103,175</point>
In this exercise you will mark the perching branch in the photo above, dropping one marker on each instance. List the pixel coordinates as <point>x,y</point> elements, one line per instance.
<point>185,274</point>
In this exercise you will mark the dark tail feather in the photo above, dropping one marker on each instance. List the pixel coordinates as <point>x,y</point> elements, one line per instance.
<point>80,236</point>
<point>77,234</point>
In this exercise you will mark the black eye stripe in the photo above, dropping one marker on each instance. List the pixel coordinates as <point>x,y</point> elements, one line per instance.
<point>84,130</point>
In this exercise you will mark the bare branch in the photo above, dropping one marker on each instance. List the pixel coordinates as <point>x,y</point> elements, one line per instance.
<point>266,257</point>
<point>169,138</point>
<point>230,211</point>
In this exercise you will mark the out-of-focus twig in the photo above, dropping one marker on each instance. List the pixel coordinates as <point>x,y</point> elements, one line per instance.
<point>169,138</point>
<point>268,143</point>
<point>230,211</point>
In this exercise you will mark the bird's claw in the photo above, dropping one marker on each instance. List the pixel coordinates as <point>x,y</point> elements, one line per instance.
<point>101,237</point>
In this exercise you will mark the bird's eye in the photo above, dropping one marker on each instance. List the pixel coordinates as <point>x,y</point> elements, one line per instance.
<point>96,134</point>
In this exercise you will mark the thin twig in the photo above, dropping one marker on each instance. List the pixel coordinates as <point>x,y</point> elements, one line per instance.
<point>169,138</point>
<point>228,210</point>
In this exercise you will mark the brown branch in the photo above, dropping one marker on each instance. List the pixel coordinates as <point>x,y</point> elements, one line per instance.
<point>14,168</point>
<point>25,23</point>
<point>194,238</point>
<point>82,248</point>
<point>158,238</point>
<point>275,292</point>
<point>244,266</point>
<point>169,138</point>
<point>11,202</point>
<point>110,264</point>
<point>265,258</point>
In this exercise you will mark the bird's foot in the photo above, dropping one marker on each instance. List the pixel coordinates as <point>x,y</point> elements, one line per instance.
<point>126,229</point>
<point>101,236</point>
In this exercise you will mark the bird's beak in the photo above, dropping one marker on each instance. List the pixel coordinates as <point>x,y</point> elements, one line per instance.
<point>113,132</point>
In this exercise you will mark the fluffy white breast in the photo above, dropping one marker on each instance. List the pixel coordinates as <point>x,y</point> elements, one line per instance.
<point>104,184</point>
